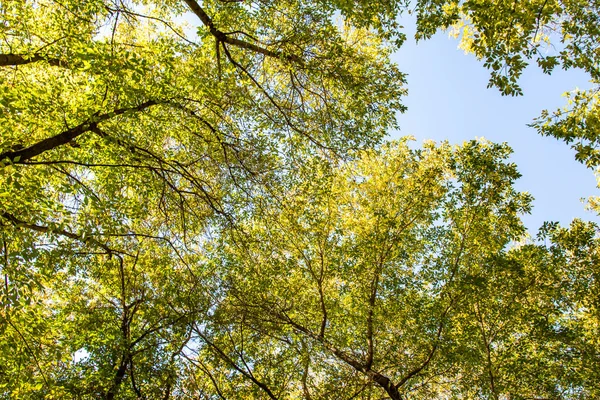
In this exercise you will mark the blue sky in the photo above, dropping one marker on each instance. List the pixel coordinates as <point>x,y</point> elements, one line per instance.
<point>448,100</point>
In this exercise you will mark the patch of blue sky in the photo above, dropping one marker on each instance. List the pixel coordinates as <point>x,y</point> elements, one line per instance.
<point>449,100</point>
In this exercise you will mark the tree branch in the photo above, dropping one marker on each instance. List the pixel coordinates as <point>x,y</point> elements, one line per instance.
<point>434,348</point>
<point>45,229</point>
<point>371,311</point>
<point>486,342</point>
<point>227,359</point>
<point>19,59</point>
<point>223,37</point>
<point>383,381</point>
<point>18,156</point>
<point>272,101</point>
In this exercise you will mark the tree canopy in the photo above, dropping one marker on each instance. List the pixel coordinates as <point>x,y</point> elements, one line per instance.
<point>197,201</point>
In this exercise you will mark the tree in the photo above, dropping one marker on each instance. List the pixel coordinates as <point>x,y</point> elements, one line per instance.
<point>157,180</point>
<point>124,139</point>
<point>399,274</point>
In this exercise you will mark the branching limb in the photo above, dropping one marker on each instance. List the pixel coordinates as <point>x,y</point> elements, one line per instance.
<point>225,38</point>
<point>383,381</point>
<point>18,156</point>
<point>234,365</point>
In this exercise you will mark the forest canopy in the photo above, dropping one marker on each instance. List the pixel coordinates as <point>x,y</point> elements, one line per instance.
<point>198,201</point>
